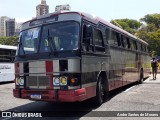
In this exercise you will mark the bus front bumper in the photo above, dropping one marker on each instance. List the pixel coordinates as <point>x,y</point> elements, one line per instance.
<point>51,95</point>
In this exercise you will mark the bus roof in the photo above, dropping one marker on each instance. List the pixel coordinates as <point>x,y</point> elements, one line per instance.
<point>91,18</point>
<point>8,47</point>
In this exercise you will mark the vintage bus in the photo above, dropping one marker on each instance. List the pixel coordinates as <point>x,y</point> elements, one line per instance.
<point>7,67</point>
<point>72,56</point>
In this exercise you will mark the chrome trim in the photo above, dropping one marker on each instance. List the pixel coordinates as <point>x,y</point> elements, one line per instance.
<point>74,65</point>
<point>56,87</point>
<point>56,67</point>
<point>89,84</point>
<point>73,87</point>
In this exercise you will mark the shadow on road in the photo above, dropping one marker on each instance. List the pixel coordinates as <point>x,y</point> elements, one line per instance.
<point>48,109</point>
<point>75,110</point>
<point>8,82</point>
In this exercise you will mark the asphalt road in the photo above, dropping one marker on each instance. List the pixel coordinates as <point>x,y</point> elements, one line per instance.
<point>129,103</point>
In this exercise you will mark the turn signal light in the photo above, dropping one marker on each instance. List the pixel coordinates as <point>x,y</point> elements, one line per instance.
<point>74,80</point>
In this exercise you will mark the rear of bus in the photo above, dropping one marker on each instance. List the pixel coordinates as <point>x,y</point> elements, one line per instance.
<point>48,60</point>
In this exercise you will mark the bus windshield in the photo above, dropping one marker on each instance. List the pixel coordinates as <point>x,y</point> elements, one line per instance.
<point>29,41</point>
<point>54,37</point>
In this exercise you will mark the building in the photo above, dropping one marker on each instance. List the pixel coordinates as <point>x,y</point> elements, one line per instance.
<point>18,28</point>
<point>10,27</point>
<point>42,8</point>
<point>7,26</point>
<point>62,7</point>
<point>3,20</point>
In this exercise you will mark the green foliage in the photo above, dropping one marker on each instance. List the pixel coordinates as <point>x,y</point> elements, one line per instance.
<point>129,25</point>
<point>151,32</point>
<point>148,31</point>
<point>152,19</point>
<point>149,28</point>
<point>13,40</point>
<point>116,23</point>
<point>143,34</point>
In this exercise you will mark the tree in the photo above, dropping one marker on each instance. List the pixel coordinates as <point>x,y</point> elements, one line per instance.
<point>150,32</point>
<point>13,40</point>
<point>129,25</point>
<point>152,19</point>
<point>116,23</point>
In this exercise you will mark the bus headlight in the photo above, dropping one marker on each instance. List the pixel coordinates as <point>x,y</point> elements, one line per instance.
<point>60,81</point>
<point>63,80</point>
<point>56,81</point>
<point>19,81</point>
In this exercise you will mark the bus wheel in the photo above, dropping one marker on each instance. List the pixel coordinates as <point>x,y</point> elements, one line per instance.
<point>99,92</point>
<point>141,77</point>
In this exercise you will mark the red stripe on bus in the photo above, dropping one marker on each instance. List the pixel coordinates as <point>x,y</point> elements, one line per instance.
<point>49,72</point>
<point>77,95</point>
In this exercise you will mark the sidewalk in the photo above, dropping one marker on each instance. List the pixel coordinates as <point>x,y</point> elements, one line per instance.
<point>150,79</point>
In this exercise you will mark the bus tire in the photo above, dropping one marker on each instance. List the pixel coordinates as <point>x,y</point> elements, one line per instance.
<point>141,77</point>
<point>99,92</point>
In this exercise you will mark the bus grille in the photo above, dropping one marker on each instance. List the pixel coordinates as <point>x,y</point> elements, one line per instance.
<point>41,82</point>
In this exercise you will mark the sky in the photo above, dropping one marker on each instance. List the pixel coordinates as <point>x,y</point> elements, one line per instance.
<point>23,10</point>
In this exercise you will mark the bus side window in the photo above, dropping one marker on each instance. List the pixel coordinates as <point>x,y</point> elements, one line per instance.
<point>88,38</point>
<point>115,39</point>
<point>5,55</point>
<point>146,49</point>
<point>142,49</point>
<point>107,32</point>
<point>118,39</point>
<point>98,39</point>
<point>125,42</point>
<point>135,45</point>
<point>128,43</point>
<point>138,46</point>
<point>131,43</point>
<point>13,53</point>
<point>122,41</point>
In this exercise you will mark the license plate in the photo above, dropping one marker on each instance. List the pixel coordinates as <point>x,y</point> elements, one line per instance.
<point>36,96</point>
